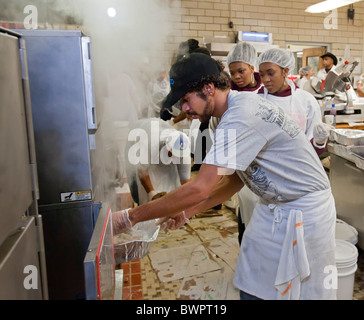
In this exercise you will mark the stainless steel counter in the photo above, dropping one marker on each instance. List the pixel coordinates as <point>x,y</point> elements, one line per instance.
<point>347,183</point>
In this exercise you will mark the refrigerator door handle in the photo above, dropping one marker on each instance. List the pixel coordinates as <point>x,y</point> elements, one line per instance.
<point>89,90</point>
<point>29,119</point>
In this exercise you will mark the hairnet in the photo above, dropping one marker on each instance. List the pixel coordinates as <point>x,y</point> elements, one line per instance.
<point>305,70</point>
<point>281,57</point>
<point>242,52</point>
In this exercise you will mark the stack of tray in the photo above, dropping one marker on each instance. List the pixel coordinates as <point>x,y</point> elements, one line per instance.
<point>349,144</point>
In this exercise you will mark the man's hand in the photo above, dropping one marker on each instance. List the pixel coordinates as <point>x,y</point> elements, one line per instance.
<point>173,223</point>
<point>121,221</point>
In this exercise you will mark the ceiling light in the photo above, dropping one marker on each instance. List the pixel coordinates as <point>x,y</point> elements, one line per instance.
<point>328,5</point>
<point>111,12</point>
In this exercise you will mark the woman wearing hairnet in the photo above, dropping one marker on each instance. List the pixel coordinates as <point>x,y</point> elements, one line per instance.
<point>306,72</point>
<point>274,67</point>
<point>241,61</point>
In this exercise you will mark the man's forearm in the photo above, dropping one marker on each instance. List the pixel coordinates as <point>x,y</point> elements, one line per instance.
<point>186,196</point>
<point>225,189</point>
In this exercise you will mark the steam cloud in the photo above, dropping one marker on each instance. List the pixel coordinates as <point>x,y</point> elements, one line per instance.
<point>127,50</point>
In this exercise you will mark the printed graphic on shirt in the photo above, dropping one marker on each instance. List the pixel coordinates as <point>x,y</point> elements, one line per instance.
<point>257,181</point>
<point>273,114</point>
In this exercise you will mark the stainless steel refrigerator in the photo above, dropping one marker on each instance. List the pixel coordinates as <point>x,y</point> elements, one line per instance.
<point>65,130</point>
<point>21,235</point>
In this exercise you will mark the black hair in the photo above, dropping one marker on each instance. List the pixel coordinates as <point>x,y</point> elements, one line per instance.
<point>192,44</point>
<point>221,81</point>
<point>203,50</point>
<point>186,47</point>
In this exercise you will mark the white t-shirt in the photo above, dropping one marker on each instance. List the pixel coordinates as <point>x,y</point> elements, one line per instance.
<point>271,154</point>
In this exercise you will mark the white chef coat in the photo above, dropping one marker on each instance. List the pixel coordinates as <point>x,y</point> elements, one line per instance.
<point>301,82</point>
<point>301,106</point>
<point>157,90</point>
<point>321,74</point>
<point>165,173</point>
<point>274,158</point>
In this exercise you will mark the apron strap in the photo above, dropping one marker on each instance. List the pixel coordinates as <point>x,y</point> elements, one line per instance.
<point>277,216</point>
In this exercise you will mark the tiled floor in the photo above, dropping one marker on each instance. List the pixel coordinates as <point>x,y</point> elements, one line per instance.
<point>141,280</point>
<point>142,283</point>
<point>359,278</point>
<point>132,286</point>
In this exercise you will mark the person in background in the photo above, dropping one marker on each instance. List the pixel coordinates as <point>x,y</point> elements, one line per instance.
<point>360,90</point>
<point>157,90</point>
<point>291,238</point>
<point>159,163</point>
<point>306,73</point>
<point>274,67</point>
<point>187,47</point>
<point>241,61</point>
<point>329,62</point>
<point>360,86</point>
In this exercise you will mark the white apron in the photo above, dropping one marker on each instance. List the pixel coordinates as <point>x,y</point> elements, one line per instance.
<point>291,106</point>
<point>287,247</point>
<point>247,201</point>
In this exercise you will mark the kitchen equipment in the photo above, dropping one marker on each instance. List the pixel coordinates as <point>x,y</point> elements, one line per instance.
<point>347,137</point>
<point>344,231</point>
<point>65,131</point>
<point>135,243</point>
<point>357,151</point>
<point>21,234</point>
<point>346,179</point>
<point>102,281</point>
<point>346,256</point>
<point>337,90</point>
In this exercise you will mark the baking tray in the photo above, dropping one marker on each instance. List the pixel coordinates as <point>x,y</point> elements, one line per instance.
<point>135,243</point>
<point>358,152</point>
<point>347,137</point>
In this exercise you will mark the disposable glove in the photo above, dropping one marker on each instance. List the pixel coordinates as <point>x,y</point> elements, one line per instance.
<point>321,132</point>
<point>173,223</point>
<point>121,221</point>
